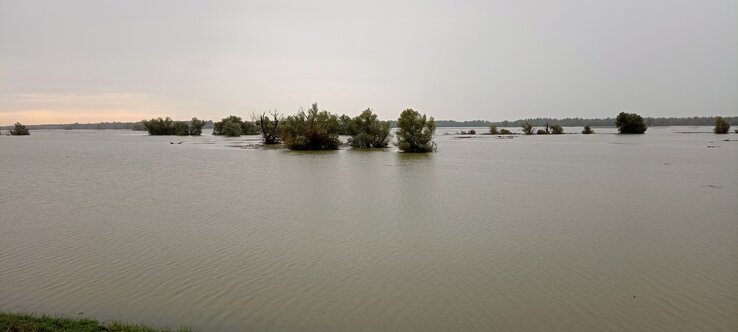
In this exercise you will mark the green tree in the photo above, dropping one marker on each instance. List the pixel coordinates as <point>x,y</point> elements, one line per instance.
<point>269,128</point>
<point>527,128</point>
<point>504,131</point>
<point>19,130</point>
<point>227,126</point>
<point>493,130</point>
<point>630,123</point>
<point>314,130</point>
<point>160,126</point>
<point>196,125</point>
<point>249,128</point>
<point>368,132</point>
<point>587,130</point>
<point>557,130</point>
<point>415,132</point>
<point>344,122</point>
<point>181,128</point>
<point>721,126</point>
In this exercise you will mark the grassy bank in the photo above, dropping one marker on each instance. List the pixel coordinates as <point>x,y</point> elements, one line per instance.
<point>41,323</point>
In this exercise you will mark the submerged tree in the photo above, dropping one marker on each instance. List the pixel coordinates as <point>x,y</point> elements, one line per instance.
<point>344,125</point>
<point>196,125</point>
<point>415,132</point>
<point>160,126</point>
<point>227,126</point>
<point>587,130</point>
<point>493,130</point>
<point>368,132</point>
<point>19,130</point>
<point>557,130</point>
<point>721,126</point>
<point>504,131</point>
<point>269,128</point>
<point>527,128</point>
<point>630,123</point>
<point>314,130</point>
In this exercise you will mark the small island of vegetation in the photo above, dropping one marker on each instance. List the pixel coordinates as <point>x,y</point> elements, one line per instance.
<point>19,130</point>
<point>415,132</point>
<point>167,126</point>
<point>630,123</point>
<point>721,126</point>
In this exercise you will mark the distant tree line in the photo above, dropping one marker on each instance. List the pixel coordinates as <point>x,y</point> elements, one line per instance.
<point>167,126</point>
<point>580,122</point>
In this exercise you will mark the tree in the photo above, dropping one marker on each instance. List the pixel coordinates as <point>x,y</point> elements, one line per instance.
<point>557,130</point>
<point>721,126</point>
<point>587,130</point>
<point>344,122</point>
<point>196,125</point>
<point>415,132</point>
<point>493,130</point>
<point>227,126</point>
<point>504,131</point>
<point>269,128</point>
<point>542,132</point>
<point>472,132</point>
<point>368,132</point>
<point>630,123</point>
<point>527,128</point>
<point>314,130</point>
<point>160,126</point>
<point>19,130</point>
<point>181,128</point>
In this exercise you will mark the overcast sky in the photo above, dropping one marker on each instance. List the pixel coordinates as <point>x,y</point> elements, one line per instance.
<point>97,60</point>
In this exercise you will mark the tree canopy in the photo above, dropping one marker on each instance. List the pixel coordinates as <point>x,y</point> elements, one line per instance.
<point>721,126</point>
<point>19,130</point>
<point>415,132</point>
<point>233,126</point>
<point>368,132</point>
<point>311,130</point>
<point>269,128</point>
<point>630,123</point>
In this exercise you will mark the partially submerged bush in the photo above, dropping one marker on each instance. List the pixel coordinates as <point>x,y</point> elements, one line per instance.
<point>314,130</point>
<point>472,132</point>
<point>527,128</point>
<point>344,125</point>
<point>541,132</point>
<point>196,125</point>
<point>19,130</point>
<point>415,132</point>
<point>587,130</point>
<point>493,130</point>
<point>630,123</point>
<point>269,128</point>
<point>721,126</point>
<point>368,132</point>
<point>227,127</point>
<point>557,130</point>
<point>167,126</point>
<point>504,131</point>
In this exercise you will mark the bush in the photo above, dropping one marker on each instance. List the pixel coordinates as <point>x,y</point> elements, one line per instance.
<point>227,127</point>
<point>314,130</point>
<point>181,129</point>
<point>557,130</point>
<point>269,128</point>
<point>504,131</point>
<point>344,125</point>
<point>527,128</point>
<point>587,130</point>
<point>415,132</point>
<point>160,126</point>
<point>493,130</point>
<point>472,132</point>
<point>541,132</point>
<point>19,130</point>
<point>368,132</point>
<point>196,126</point>
<point>630,123</point>
<point>721,126</point>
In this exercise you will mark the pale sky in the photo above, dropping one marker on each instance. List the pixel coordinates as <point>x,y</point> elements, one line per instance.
<point>102,60</point>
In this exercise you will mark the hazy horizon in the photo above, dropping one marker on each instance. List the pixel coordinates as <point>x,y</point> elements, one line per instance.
<point>96,61</point>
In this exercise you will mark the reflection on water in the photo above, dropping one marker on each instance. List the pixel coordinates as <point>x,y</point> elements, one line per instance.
<point>570,232</point>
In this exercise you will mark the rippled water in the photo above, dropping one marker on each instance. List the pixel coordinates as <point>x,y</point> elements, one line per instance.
<point>570,232</point>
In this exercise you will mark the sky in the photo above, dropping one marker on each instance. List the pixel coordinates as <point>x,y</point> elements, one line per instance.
<point>104,60</point>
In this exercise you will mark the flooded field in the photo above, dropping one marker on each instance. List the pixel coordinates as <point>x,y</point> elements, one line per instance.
<point>565,232</point>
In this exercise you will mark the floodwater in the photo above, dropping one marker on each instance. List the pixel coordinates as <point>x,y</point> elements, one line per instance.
<point>569,232</point>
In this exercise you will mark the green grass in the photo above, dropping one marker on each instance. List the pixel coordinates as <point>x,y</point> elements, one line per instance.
<point>11,322</point>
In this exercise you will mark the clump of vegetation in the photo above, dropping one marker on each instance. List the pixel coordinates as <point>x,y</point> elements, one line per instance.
<point>368,132</point>
<point>557,130</point>
<point>541,132</point>
<point>314,130</point>
<point>721,126</point>
<point>493,130</point>
<point>472,132</point>
<point>233,126</point>
<point>587,130</point>
<point>269,127</point>
<point>167,126</point>
<point>630,123</point>
<point>504,131</point>
<point>415,132</point>
<point>28,322</point>
<point>19,130</point>
<point>527,128</point>
<point>344,125</point>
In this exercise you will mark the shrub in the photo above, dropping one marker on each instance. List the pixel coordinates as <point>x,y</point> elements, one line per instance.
<point>368,132</point>
<point>415,132</point>
<point>269,128</point>
<point>504,131</point>
<point>159,126</point>
<point>557,130</point>
<point>196,126</point>
<point>493,130</point>
<point>630,123</point>
<point>587,130</point>
<point>541,132</point>
<point>472,132</point>
<point>527,128</point>
<point>181,128</point>
<point>227,127</point>
<point>344,125</point>
<point>314,130</point>
<point>19,130</point>
<point>721,126</point>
